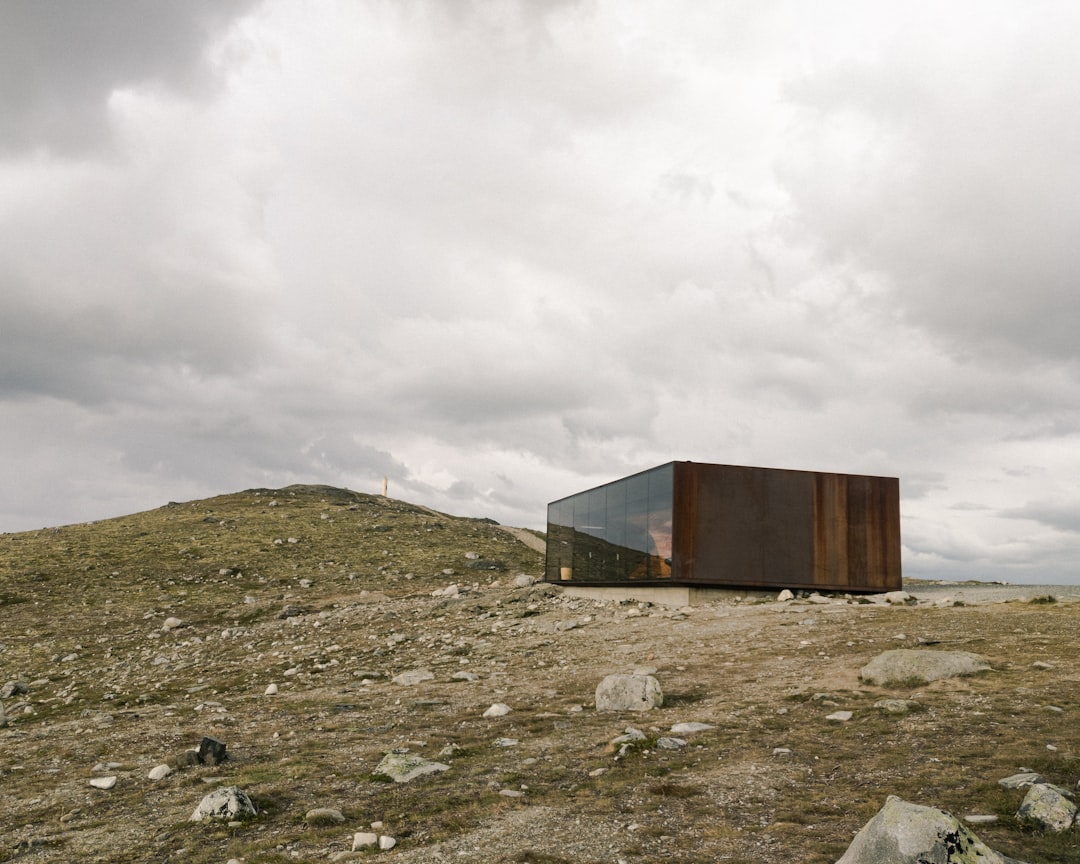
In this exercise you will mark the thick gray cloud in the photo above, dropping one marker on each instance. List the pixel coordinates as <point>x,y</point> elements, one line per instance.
<point>498,252</point>
<point>61,60</point>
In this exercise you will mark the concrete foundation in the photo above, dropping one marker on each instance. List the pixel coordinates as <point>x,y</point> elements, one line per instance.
<point>666,595</point>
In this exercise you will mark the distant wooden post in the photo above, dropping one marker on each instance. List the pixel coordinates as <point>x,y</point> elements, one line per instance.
<point>384,487</point>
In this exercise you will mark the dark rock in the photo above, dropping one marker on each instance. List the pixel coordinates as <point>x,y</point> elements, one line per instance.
<point>211,751</point>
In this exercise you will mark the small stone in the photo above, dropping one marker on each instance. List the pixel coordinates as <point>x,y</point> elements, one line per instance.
<point>14,688</point>
<point>227,803</point>
<point>1020,781</point>
<point>271,690</point>
<point>511,793</point>
<point>506,742</point>
<point>413,676</point>
<point>669,743</point>
<point>840,716</point>
<point>499,709</point>
<point>211,751</point>
<point>898,598</point>
<point>160,772</point>
<point>387,843</point>
<point>1042,664</point>
<point>172,623</point>
<point>690,728</point>
<point>402,767</point>
<point>465,676</point>
<point>364,840</point>
<point>324,816</point>
<point>784,596</point>
<point>103,782</point>
<point>781,751</point>
<point>980,819</point>
<point>629,693</point>
<point>897,707</point>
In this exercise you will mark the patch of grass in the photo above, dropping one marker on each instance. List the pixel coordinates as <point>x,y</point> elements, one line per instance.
<point>1043,600</point>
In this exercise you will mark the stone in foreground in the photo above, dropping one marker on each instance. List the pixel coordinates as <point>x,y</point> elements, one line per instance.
<point>1048,806</point>
<point>629,693</point>
<point>913,666</point>
<point>229,802</point>
<point>903,833</point>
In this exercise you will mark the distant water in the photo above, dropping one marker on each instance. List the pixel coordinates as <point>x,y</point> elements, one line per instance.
<point>988,591</point>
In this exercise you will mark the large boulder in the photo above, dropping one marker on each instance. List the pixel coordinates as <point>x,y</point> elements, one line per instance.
<point>913,666</point>
<point>903,833</point>
<point>629,693</point>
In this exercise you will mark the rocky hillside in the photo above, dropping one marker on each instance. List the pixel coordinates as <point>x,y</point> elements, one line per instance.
<point>313,631</point>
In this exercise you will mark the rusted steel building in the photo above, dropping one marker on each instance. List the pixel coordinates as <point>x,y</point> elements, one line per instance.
<point>688,523</point>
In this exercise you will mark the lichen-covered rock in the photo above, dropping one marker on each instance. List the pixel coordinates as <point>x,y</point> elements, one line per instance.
<point>228,802</point>
<point>403,767</point>
<point>1048,806</point>
<point>629,693</point>
<point>903,833</point>
<point>914,666</point>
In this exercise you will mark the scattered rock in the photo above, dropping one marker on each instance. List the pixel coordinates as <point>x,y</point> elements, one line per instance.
<point>413,676</point>
<point>897,706</point>
<point>690,728</point>
<point>364,840</point>
<point>211,751</point>
<point>1048,806</point>
<point>271,690</point>
<point>290,611</point>
<point>506,742</point>
<point>160,772</point>
<point>784,596</point>
<point>14,688</point>
<point>903,833</point>
<point>980,819</point>
<point>403,767</point>
<point>103,782</point>
<point>321,816</point>
<point>917,666</point>
<point>524,580</point>
<point>1021,781</point>
<point>666,742</point>
<point>172,623</point>
<point>387,843</point>
<point>840,716</point>
<point>465,676</point>
<point>229,802</point>
<point>898,598</point>
<point>629,693</point>
<point>499,709</point>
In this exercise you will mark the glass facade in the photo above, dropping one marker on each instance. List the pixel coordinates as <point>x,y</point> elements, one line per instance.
<point>614,533</point>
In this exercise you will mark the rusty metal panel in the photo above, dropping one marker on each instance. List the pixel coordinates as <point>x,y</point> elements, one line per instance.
<point>773,528</point>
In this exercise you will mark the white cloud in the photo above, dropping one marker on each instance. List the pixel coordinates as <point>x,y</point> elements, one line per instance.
<point>501,252</point>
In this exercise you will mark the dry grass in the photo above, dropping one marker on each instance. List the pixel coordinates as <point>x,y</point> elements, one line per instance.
<point>84,605</point>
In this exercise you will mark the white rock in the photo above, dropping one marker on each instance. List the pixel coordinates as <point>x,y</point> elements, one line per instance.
<point>511,793</point>
<point>171,623</point>
<point>905,665</point>
<point>103,782</point>
<point>387,843</point>
<point>228,802</point>
<point>160,772</point>
<point>499,709</point>
<point>629,693</point>
<point>1020,781</point>
<point>784,596</point>
<point>364,840</point>
<point>690,728</point>
<point>506,742</point>
<point>465,676</point>
<point>897,598</point>
<point>413,676</point>
<point>271,690</point>
<point>324,816</point>
<point>840,716</point>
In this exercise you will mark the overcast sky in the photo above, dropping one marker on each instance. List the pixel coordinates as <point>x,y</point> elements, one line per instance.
<point>500,252</point>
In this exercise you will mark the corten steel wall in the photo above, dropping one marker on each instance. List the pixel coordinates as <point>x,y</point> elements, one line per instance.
<point>772,528</point>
